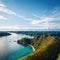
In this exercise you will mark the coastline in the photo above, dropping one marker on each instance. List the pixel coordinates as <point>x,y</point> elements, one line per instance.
<point>32,48</point>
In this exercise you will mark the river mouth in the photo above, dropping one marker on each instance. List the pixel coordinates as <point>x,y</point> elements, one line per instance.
<point>10,49</point>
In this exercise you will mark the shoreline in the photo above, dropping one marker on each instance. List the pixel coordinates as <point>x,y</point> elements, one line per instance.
<point>32,48</point>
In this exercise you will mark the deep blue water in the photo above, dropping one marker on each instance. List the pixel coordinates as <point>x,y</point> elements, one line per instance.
<point>10,49</point>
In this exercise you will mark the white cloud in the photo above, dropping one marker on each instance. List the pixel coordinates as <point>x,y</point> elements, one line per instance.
<point>48,22</point>
<point>35,22</point>
<point>36,16</point>
<point>46,19</point>
<point>6,10</point>
<point>54,26</point>
<point>25,18</point>
<point>2,5</point>
<point>56,13</point>
<point>43,22</point>
<point>48,26</point>
<point>15,27</point>
<point>2,17</point>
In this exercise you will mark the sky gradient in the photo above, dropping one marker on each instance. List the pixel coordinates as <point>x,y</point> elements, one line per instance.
<point>29,14</point>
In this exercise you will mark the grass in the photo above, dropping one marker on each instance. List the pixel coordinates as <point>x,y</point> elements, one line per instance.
<point>47,48</point>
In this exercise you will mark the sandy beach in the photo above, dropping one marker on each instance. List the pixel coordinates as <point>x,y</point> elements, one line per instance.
<point>32,47</point>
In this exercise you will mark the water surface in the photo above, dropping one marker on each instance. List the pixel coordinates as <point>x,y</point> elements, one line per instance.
<point>10,49</point>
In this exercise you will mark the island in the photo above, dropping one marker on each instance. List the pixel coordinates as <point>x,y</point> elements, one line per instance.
<point>47,47</point>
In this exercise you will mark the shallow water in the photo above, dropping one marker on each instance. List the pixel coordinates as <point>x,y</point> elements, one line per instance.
<point>10,49</point>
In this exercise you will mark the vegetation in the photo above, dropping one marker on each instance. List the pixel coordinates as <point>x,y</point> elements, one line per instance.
<point>4,34</point>
<point>47,48</point>
<point>24,41</point>
<point>37,33</point>
<point>58,57</point>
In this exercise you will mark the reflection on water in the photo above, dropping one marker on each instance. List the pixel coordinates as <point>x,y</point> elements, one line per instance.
<point>10,50</point>
<point>2,45</point>
<point>14,34</point>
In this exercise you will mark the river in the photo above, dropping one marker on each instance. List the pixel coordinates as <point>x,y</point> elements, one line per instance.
<point>10,49</point>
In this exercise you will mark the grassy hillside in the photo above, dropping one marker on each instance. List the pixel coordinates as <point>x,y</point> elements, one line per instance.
<point>58,57</point>
<point>47,48</point>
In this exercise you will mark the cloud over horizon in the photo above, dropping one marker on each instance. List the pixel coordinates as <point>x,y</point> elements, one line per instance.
<point>42,16</point>
<point>48,22</point>
<point>8,28</point>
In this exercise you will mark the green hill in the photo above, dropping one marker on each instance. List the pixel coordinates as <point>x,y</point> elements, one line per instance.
<point>47,48</point>
<point>58,57</point>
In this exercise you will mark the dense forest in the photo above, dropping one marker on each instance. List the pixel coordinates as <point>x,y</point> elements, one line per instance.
<point>37,33</point>
<point>4,34</point>
<point>47,47</point>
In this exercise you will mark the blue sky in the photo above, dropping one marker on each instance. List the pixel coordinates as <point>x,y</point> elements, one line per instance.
<point>29,14</point>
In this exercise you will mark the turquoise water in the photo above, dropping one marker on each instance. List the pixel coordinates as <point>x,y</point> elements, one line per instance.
<point>19,53</point>
<point>10,49</point>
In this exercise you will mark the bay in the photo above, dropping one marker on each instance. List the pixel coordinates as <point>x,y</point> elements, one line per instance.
<point>10,49</point>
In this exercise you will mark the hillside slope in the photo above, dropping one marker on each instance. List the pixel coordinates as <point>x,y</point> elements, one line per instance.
<point>47,48</point>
